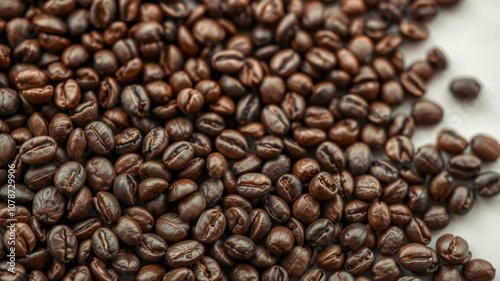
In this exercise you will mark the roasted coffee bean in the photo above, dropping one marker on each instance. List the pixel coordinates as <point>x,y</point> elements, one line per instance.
<point>415,257</point>
<point>192,206</point>
<point>276,208</point>
<point>447,272</point>
<point>359,261</point>
<point>391,240</point>
<point>184,253</point>
<point>464,166</point>
<point>399,149</point>
<point>48,205</point>
<point>353,236</point>
<point>379,216</point>
<point>426,112</point>
<point>487,184</point>
<point>231,144</point>
<point>99,137</point>
<point>400,214</point>
<point>37,150</point>
<point>478,269</point>
<point>100,173</point>
<point>179,129</point>
<point>322,232</point>
<point>331,258</point>
<point>356,211</point>
<point>417,231</point>
<point>485,147</point>
<point>79,204</point>
<point>384,171</point>
<point>253,185</point>
<point>451,141</point>
<point>428,160</point>
<point>212,190</point>
<point>367,187</point>
<point>322,186</point>
<point>106,206</point>
<point>401,125</point>
<point>296,261</point>
<point>135,100</point>
<point>280,240</point>
<point>453,249</point>
<point>177,155</point>
<point>190,100</point>
<point>152,248</point>
<point>437,217</point>
<point>359,157</point>
<point>306,208</point>
<point>210,226</point>
<point>441,186</point>
<point>418,198</point>
<point>62,243</point>
<point>413,30</point>
<point>105,243</point>
<point>151,188</point>
<point>461,200</point>
<point>465,88</point>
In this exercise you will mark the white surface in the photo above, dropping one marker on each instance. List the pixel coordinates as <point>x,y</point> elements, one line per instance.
<point>469,35</point>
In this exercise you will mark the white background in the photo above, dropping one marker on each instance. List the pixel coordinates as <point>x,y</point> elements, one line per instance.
<point>469,34</point>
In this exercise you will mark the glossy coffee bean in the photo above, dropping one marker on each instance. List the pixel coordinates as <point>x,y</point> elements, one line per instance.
<point>464,166</point>
<point>184,253</point>
<point>426,112</point>
<point>478,269</point>
<point>453,249</point>
<point>451,141</point>
<point>105,243</point>
<point>485,147</point>
<point>487,184</point>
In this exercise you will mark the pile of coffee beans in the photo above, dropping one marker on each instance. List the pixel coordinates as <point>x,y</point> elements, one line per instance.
<point>239,140</point>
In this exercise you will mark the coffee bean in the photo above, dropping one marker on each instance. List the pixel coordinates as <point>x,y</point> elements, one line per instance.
<point>464,166</point>
<point>37,150</point>
<point>487,184</point>
<point>451,141</point>
<point>70,178</point>
<point>99,137</point>
<point>465,88</point>
<point>478,269</point>
<point>415,257</point>
<point>486,147</point>
<point>461,200</point>
<point>428,160</point>
<point>105,243</point>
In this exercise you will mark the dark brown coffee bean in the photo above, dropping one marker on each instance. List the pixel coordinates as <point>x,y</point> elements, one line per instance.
<point>231,144</point>
<point>453,249</point>
<point>428,160</point>
<point>478,269</point>
<point>465,88</point>
<point>99,137</point>
<point>417,231</point>
<point>284,63</point>
<point>486,147</point>
<point>426,112</point>
<point>399,149</point>
<point>464,166</point>
<point>441,186</point>
<point>36,151</point>
<point>487,184</point>
<point>451,141</point>
<point>177,155</point>
<point>461,200</point>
